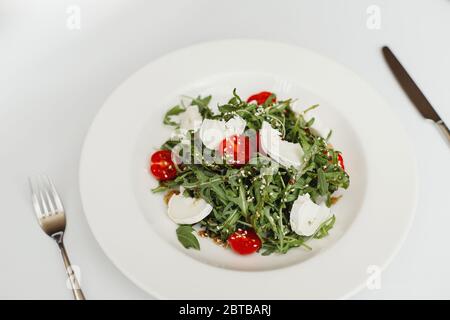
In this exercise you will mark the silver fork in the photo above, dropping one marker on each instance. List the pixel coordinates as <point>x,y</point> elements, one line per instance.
<point>52,219</point>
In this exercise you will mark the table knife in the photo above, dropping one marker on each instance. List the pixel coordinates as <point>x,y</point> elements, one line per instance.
<point>413,92</point>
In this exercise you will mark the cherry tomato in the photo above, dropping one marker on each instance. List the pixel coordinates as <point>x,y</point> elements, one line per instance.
<point>162,166</point>
<point>341,161</point>
<point>261,97</point>
<point>244,241</point>
<point>236,150</point>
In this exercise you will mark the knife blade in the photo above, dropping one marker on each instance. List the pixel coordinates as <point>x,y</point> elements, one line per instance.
<point>413,92</point>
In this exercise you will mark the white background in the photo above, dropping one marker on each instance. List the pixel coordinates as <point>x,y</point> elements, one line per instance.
<point>53,80</point>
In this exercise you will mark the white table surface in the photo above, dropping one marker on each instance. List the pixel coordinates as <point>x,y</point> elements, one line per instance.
<point>53,81</point>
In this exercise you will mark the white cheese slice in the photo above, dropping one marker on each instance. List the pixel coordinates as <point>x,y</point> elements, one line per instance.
<point>190,119</point>
<point>186,210</point>
<point>212,132</point>
<point>306,216</point>
<point>235,126</point>
<point>284,152</point>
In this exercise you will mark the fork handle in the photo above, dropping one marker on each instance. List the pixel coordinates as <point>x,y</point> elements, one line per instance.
<point>76,289</point>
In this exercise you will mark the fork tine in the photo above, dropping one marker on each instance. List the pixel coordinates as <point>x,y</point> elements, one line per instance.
<point>50,201</point>
<point>34,199</point>
<point>41,196</point>
<point>59,205</point>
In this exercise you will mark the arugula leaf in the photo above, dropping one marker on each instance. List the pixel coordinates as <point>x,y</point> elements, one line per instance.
<point>325,228</point>
<point>186,238</point>
<point>322,182</point>
<point>203,108</point>
<point>170,144</point>
<point>174,111</point>
<point>236,99</point>
<point>242,200</point>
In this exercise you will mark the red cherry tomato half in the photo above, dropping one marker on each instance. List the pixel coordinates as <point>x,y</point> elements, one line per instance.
<point>162,166</point>
<point>261,97</point>
<point>244,241</point>
<point>341,161</point>
<point>236,150</point>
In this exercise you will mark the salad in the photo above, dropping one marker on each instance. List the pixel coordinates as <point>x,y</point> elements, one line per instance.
<point>253,176</point>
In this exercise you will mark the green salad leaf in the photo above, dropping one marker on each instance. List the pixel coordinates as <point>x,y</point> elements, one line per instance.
<point>174,111</point>
<point>186,238</point>
<point>203,108</point>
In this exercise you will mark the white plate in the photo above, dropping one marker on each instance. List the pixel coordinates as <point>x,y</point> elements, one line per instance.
<point>131,224</point>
